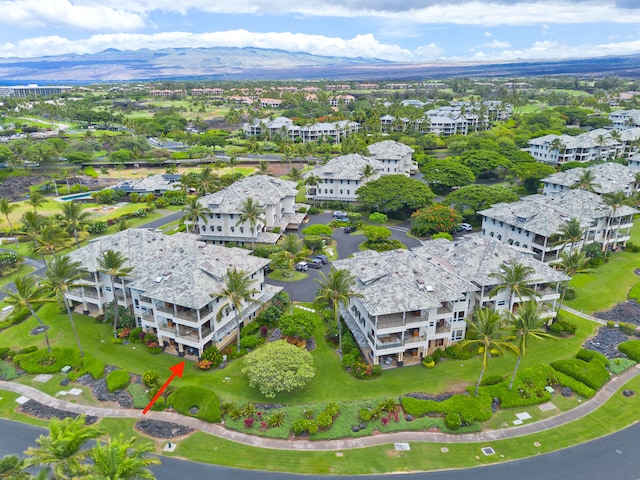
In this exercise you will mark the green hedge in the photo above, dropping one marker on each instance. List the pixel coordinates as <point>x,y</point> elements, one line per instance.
<point>117,380</point>
<point>631,348</point>
<point>41,361</point>
<point>93,367</point>
<point>592,374</point>
<point>184,399</point>
<point>469,407</point>
<point>589,355</point>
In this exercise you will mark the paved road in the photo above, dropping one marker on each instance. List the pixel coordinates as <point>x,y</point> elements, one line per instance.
<point>614,457</point>
<point>38,265</point>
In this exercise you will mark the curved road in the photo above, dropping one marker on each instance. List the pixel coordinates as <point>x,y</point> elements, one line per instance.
<point>614,456</point>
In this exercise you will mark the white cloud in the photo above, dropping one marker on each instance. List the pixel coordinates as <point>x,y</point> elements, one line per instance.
<point>64,13</point>
<point>496,44</point>
<point>360,45</point>
<point>488,34</point>
<point>428,52</point>
<point>556,50</point>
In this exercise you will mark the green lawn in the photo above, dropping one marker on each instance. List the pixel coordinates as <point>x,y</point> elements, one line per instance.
<point>22,270</point>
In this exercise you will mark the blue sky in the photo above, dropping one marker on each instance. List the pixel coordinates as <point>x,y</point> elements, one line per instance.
<point>401,30</point>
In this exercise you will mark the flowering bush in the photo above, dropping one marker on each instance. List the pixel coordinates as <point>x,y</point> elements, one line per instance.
<point>124,333</point>
<point>204,364</point>
<point>248,422</point>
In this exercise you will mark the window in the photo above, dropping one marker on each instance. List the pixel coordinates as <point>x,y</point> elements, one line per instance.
<point>457,335</point>
<point>241,229</point>
<point>217,215</point>
<point>233,229</point>
<point>219,228</point>
<point>501,303</point>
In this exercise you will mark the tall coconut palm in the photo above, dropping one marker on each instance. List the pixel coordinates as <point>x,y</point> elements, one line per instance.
<point>367,172</point>
<point>572,262</point>
<point>237,289</point>
<point>587,181</point>
<point>28,294</point>
<point>36,199</point>
<point>194,212</point>
<point>112,263</point>
<point>63,274</point>
<point>527,323</point>
<point>49,240</point>
<point>263,167</point>
<point>614,201</point>
<point>571,232</point>
<point>62,450</point>
<point>121,459</point>
<point>207,181</point>
<point>33,223</point>
<point>514,278</point>
<point>313,181</point>
<point>485,329</point>
<point>294,174</point>
<point>252,213</point>
<point>6,207</point>
<point>337,289</point>
<point>74,218</point>
<point>293,251</point>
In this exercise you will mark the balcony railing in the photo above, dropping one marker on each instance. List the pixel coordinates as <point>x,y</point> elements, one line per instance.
<point>189,315</point>
<point>165,309</point>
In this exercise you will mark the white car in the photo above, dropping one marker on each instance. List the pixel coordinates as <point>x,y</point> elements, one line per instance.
<point>302,266</point>
<point>465,227</point>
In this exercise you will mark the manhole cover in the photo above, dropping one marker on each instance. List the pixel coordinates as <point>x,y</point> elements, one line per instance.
<point>488,451</point>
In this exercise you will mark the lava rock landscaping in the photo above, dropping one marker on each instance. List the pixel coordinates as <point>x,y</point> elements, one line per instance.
<point>165,430</point>
<point>39,410</point>
<point>101,392</point>
<point>606,342</point>
<point>628,312</point>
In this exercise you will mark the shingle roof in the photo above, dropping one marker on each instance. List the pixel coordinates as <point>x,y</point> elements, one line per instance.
<point>264,189</point>
<point>347,167</point>
<point>389,150</point>
<point>172,268</point>
<point>609,177</point>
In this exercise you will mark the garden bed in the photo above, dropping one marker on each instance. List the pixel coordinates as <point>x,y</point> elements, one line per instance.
<point>606,342</point>
<point>628,312</point>
<point>164,430</point>
<point>39,410</point>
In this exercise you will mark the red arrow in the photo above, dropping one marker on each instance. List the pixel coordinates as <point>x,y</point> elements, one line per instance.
<point>176,370</point>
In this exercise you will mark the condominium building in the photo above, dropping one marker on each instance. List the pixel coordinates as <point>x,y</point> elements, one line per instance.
<point>608,177</point>
<point>394,157</point>
<point>173,286</point>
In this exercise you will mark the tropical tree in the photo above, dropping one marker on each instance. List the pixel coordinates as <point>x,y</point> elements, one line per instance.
<point>27,295</point>
<point>74,218</point>
<point>571,262</point>
<point>587,181</point>
<point>294,174</point>
<point>237,289</point>
<point>33,223</point>
<point>63,274</point>
<point>336,289</point>
<point>313,181</point>
<point>195,211</point>
<point>526,323</point>
<point>50,239</point>
<point>252,213</point>
<point>485,329</point>
<point>614,201</point>
<point>263,167</point>
<point>514,278</point>
<point>367,172</point>
<point>6,207</point>
<point>207,181</point>
<point>121,459</point>
<point>122,225</point>
<point>62,450</point>
<point>292,252</point>
<point>36,199</point>
<point>112,263</point>
<point>571,232</point>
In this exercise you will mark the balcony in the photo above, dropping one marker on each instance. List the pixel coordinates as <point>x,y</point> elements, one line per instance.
<point>390,321</point>
<point>187,314</point>
<point>188,334</point>
<point>86,293</point>
<point>161,307</point>
<point>388,341</point>
<point>144,299</point>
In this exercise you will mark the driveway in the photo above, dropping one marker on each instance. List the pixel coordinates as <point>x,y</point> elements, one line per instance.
<point>305,290</point>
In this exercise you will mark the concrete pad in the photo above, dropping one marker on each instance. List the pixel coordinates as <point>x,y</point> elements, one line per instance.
<point>523,416</point>
<point>62,393</point>
<point>547,406</point>
<point>42,378</point>
<point>22,399</point>
<point>518,422</point>
<point>75,391</point>
<point>339,454</point>
<point>170,447</point>
<point>402,446</point>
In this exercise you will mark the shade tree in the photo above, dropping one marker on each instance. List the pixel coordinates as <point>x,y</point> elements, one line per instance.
<point>395,193</point>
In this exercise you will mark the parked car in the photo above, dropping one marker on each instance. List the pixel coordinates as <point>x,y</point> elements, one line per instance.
<point>349,229</point>
<point>302,266</point>
<point>339,215</point>
<point>315,263</point>
<point>465,227</point>
<point>323,258</point>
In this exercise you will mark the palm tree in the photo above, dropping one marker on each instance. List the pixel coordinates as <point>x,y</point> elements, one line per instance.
<point>74,218</point>
<point>251,212</point>
<point>294,174</point>
<point>27,294</point>
<point>63,274</point>
<point>263,167</point>
<point>572,262</point>
<point>122,225</point>
<point>207,181</point>
<point>121,459</point>
<point>62,450</point>
<point>112,263</point>
<point>513,277</point>
<point>292,252</point>
<point>526,323</point>
<point>367,172</point>
<point>486,330</point>
<point>6,208</point>
<point>571,233</point>
<point>237,289</point>
<point>33,223</point>
<point>36,199</point>
<point>336,289</point>
<point>50,239</point>
<point>613,200</point>
<point>313,181</point>
<point>195,211</point>
<point>587,181</point>
<point>557,145</point>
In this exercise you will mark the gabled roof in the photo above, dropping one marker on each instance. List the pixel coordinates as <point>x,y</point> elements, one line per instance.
<point>609,177</point>
<point>264,189</point>
<point>345,167</point>
<point>402,281</point>
<point>172,268</point>
<point>476,258</point>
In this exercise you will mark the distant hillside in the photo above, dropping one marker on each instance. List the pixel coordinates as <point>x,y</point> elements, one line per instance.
<point>231,63</point>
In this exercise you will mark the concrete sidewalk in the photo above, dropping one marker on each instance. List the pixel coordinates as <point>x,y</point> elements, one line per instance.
<point>587,407</point>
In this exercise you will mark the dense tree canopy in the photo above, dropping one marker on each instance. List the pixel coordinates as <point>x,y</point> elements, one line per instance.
<point>483,161</point>
<point>443,175</point>
<point>435,218</point>
<point>479,197</point>
<point>531,173</point>
<point>395,193</point>
<point>278,367</point>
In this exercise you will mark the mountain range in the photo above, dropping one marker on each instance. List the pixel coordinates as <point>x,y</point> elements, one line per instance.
<point>231,63</point>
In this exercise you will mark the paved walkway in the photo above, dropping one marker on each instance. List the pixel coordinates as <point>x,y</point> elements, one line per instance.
<point>578,313</point>
<point>342,444</point>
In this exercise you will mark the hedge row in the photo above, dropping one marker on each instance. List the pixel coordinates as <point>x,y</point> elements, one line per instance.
<point>593,374</point>
<point>183,399</point>
<point>589,355</point>
<point>631,348</point>
<point>469,407</point>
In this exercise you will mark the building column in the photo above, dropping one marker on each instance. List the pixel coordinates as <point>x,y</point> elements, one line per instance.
<point>400,359</point>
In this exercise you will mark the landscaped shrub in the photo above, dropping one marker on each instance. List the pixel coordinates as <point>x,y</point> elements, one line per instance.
<point>4,352</point>
<point>250,341</point>
<point>469,407</point>
<point>134,335</point>
<point>592,374</point>
<point>458,352</point>
<point>631,349</point>
<point>619,365</point>
<point>29,349</point>
<point>117,380</point>
<point>453,421</point>
<point>41,361</point>
<point>250,328</point>
<point>628,328</point>
<point>183,399</point>
<point>314,211</point>
<point>269,316</point>
<point>589,355</point>
<point>151,379</point>
<point>491,379</point>
<point>611,324</point>
<point>97,226</point>
<point>93,366</point>
<point>213,355</point>
<point>428,362</point>
<point>276,419</point>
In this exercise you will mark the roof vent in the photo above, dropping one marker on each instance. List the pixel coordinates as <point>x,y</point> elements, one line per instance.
<point>158,279</point>
<point>429,288</point>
